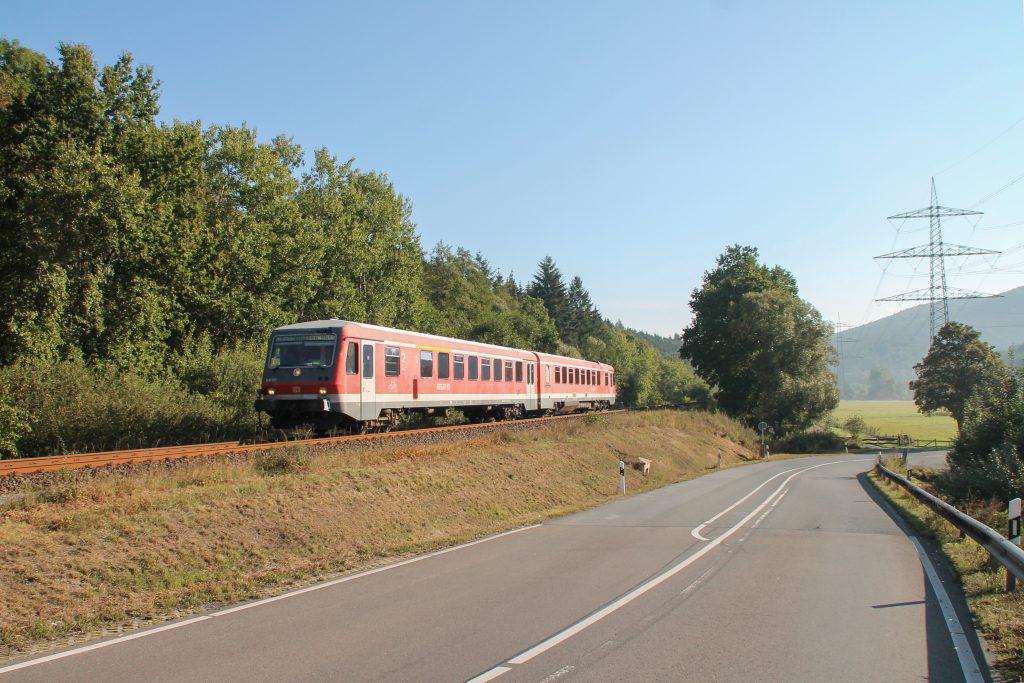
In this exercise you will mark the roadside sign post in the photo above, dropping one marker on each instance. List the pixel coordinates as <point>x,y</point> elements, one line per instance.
<point>762,426</point>
<point>1013,534</point>
<point>622,477</point>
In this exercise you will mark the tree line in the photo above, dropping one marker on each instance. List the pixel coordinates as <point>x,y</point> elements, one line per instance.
<point>145,254</point>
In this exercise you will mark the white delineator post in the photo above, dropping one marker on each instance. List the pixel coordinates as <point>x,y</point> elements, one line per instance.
<point>622,477</point>
<point>1013,534</point>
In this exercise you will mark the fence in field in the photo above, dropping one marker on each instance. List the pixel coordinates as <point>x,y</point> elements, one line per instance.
<point>903,441</point>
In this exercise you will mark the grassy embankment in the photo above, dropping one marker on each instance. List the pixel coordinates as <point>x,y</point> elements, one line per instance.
<point>999,615</point>
<point>897,417</point>
<point>111,551</point>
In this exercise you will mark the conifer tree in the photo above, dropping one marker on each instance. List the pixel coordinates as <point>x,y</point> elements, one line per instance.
<point>549,287</point>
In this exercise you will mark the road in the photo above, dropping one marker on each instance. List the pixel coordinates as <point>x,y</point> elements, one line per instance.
<point>803,576</point>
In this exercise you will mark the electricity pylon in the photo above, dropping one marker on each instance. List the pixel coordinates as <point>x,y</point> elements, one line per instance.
<point>938,294</point>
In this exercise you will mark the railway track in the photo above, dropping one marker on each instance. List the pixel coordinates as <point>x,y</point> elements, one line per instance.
<point>53,463</point>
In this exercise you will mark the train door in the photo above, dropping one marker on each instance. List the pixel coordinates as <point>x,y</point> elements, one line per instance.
<point>531,385</point>
<point>367,385</point>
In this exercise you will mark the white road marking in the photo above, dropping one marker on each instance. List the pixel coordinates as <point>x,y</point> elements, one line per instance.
<point>769,510</point>
<point>698,582</point>
<point>97,646</point>
<point>257,603</point>
<point>558,674</point>
<point>490,675</point>
<point>629,597</point>
<point>353,577</point>
<point>696,532</point>
<point>969,665</point>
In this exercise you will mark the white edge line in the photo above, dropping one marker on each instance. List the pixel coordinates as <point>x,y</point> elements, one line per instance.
<point>569,632</point>
<point>186,622</point>
<point>969,665</point>
<point>490,675</point>
<point>105,643</point>
<point>353,577</point>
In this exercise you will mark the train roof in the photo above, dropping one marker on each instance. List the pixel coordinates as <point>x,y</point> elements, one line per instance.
<point>335,323</point>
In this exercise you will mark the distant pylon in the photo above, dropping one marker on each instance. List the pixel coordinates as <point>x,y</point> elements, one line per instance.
<point>938,294</point>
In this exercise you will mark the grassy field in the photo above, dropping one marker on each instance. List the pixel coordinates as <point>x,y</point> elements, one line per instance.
<point>898,417</point>
<point>95,555</point>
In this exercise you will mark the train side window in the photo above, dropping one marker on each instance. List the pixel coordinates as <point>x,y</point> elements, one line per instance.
<point>460,367</point>
<point>576,375</point>
<point>352,359</point>
<point>472,367</point>
<point>497,370</point>
<point>426,363</point>
<point>558,375</point>
<point>547,374</point>
<point>590,377</point>
<point>368,361</point>
<point>443,366</point>
<point>519,371</point>
<point>529,373</point>
<point>392,361</point>
<point>485,369</point>
<point>508,371</point>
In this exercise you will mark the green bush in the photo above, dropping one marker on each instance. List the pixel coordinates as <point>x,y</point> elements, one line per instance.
<point>811,442</point>
<point>987,460</point>
<point>14,424</point>
<point>229,379</point>
<point>73,407</point>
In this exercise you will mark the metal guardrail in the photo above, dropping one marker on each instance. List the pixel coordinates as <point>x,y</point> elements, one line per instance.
<point>1004,552</point>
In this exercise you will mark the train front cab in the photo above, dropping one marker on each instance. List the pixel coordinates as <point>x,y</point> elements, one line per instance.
<point>317,375</point>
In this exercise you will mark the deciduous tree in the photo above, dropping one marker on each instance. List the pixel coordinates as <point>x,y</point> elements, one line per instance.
<point>957,364</point>
<point>768,351</point>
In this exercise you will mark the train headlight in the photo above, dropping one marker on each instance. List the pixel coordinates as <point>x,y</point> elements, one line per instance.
<point>323,391</point>
<point>270,392</point>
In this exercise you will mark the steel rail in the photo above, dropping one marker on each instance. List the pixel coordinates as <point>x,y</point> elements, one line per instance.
<point>1006,553</point>
<point>53,463</point>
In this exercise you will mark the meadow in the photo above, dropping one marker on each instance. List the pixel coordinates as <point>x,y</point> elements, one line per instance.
<point>898,417</point>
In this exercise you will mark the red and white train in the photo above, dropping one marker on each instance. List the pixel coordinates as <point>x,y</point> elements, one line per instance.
<point>336,374</point>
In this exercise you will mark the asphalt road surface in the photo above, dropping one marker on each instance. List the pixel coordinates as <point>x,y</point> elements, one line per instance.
<point>782,571</point>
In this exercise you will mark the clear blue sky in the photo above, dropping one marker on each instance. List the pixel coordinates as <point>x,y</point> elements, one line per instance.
<point>631,141</point>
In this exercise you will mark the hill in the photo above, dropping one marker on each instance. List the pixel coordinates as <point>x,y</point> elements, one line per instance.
<point>877,359</point>
<point>666,346</point>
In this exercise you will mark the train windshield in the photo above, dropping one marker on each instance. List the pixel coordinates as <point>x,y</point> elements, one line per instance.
<point>315,350</point>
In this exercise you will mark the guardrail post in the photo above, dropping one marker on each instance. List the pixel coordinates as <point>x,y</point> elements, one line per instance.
<point>1013,534</point>
<point>622,477</point>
